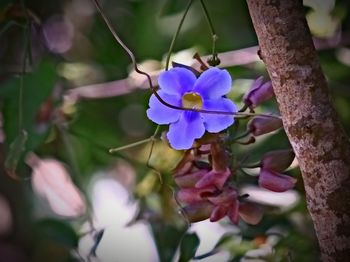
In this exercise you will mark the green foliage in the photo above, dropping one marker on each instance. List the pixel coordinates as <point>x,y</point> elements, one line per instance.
<point>188,247</point>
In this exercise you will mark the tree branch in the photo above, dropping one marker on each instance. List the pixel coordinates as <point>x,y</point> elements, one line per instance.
<point>311,123</point>
<point>239,57</point>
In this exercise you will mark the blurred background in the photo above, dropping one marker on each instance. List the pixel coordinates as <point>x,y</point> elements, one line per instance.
<point>68,94</point>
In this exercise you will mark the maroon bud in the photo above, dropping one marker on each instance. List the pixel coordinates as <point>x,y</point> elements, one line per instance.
<point>194,195</point>
<point>258,93</point>
<point>261,125</point>
<point>214,178</point>
<point>198,211</point>
<point>251,213</point>
<point>278,160</point>
<point>275,182</point>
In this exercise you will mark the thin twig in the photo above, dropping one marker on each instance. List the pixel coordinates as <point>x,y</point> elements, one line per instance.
<point>176,35</point>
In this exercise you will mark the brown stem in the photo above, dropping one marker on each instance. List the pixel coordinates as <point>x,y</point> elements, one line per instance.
<point>311,123</point>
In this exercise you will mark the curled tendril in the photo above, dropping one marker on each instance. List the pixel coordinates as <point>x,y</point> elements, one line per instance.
<point>153,89</point>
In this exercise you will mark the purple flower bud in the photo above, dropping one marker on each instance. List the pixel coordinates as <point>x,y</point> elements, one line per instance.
<point>194,195</point>
<point>261,125</point>
<point>258,93</point>
<point>198,211</point>
<point>275,181</point>
<point>278,160</point>
<point>214,178</point>
<point>58,33</point>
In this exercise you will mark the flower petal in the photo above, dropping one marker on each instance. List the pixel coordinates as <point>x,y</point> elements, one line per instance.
<point>275,182</point>
<point>233,213</point>
<point>176,81</point>
<point>182,133</point>
<point>213,83</point>
<point>193,195</point>
<point>215,123</point>
<point>217,179</point>
<point>161,114</point>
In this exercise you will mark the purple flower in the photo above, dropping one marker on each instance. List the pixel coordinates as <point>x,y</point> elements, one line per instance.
<point>261,125</point>
<point>259,92</point>
<point>275,181</point>
<point>277,160</point>
<point>180,87</point>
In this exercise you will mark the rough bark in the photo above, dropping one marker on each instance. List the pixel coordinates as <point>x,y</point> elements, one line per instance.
<point>311,123</point>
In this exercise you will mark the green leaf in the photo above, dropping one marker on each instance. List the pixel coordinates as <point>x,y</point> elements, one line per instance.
<point>58,231</point>
<point>37,86</point>
<point>17,147</point>
<point>188,247</point>
<point>224,239</point>
<point>167,238</point>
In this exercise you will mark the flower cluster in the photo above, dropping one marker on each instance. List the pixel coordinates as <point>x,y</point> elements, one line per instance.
<point>180,87</point>
<point>205,177</point>
<point>204,187</point>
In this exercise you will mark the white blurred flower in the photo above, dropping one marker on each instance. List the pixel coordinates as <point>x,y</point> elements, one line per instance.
<point>113,210</point>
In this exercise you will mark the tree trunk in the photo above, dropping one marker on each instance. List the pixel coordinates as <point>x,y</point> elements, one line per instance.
<point>311,123</point>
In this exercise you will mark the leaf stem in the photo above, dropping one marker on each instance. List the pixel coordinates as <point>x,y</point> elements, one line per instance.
<point>211,28</point>
<point>112,150</point>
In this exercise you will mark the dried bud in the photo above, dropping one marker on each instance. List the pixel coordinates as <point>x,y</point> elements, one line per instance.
<point>214,178</point>
<point>261,125</point>
<point>278,160</point>
<point>199,211</point>
<point>194,195</point>
<point>51,181</point>
<point>275,182</point>
<point>220,158</point>
<point>251,213</point>
<point>258,93</point>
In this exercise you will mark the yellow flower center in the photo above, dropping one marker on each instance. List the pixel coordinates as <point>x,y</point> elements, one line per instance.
<point>192,100</point>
